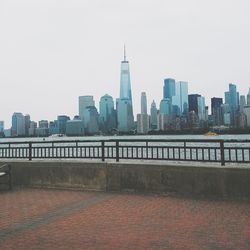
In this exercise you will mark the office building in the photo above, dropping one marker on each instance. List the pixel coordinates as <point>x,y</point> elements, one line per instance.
<point>248,98</point>
<point>166,106</point>
<point>85,101</point>
<point>153,116</point>
<point>246,111</point>
<point>201,108</point>
<point>107,113</point>
<point>32,128</point>
<point>125,118</point>
<point>61,123</point>
<point>91,117</point>
<point>124,105</point>
<point>142,123</point>
<point>18,124</point>
<point>75,127</point>
<point>1,126</point>
<point>143,103</point>
<point>216,110</point>
<point>193,102</point>
<point>180,100</point>
<point>242,102</point>
<point>169,88</point>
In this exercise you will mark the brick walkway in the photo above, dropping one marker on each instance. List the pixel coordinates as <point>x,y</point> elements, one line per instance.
<point>54,219</point>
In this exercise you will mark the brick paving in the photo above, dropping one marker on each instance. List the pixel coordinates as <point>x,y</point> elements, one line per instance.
<point>56,219</point>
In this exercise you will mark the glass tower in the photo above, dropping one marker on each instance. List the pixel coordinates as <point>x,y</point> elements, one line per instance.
<point>125,117</point>
<point>125,85</point>
<point>169,88</point>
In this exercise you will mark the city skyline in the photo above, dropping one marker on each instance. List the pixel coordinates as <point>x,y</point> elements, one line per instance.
<point>52,53</point>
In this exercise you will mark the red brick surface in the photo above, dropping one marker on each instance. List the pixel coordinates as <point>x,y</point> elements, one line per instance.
<point>52,219</point>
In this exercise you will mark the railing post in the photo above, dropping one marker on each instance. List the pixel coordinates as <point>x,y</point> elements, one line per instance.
<point>185,153</point>
<point>117,150</point>
<point>52,146</point>
<point>146,149</point>
<point>103,152</point>
<point>222,154</point>
<point>30,151</point>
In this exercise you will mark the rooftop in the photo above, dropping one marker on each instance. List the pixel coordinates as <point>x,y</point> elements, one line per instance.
<point>59,219</point>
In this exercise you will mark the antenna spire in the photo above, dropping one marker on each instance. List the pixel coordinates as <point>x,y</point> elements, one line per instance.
<point>124,52</point>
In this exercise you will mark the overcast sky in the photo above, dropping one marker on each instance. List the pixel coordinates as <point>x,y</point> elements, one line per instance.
<point>52,51</point>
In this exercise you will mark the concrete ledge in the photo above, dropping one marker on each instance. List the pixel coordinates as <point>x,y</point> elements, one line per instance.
<point>176,179</point>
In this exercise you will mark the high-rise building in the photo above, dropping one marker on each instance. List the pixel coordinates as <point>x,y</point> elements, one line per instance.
<point>61,122</point>
<point>75,127</point>
<point>143,103</point>
<point>242,102</point>
<point>32,128</point>
<point>216,110</point>
<point>233,96</point>
<point>18,124</point>
<point>125,118</point>
<point>1,126</point>
<point>201,108</point>
<point>43,128</point>
<point>27,124</point>
<point>142,123</point>
<point>143,118</point>
<point>246,111</point>
<point>248,97</point>
<point>193,102</point>
<point>85,101</point>
<point>107,113</point>
<point>124,106</point>
<point>125,84</point>
<point>180,100</point>
<point>166,106</point>
<point>91,120</point>
<point>153,116</point>
<point>169,88</point>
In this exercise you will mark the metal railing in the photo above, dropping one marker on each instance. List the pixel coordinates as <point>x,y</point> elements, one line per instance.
<point>221,151</point>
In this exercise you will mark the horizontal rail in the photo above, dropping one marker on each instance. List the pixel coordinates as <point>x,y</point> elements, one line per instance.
<point>209,150</point>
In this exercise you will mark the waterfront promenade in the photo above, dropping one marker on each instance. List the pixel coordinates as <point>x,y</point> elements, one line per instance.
<point>59,219</point>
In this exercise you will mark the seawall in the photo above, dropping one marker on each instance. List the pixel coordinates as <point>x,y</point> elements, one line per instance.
<point>201,180</point>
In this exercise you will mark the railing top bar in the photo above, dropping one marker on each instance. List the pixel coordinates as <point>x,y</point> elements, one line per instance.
<point>129,140</point>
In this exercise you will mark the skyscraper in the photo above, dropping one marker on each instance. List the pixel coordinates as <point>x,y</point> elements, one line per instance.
<point>1,126</point>
<point>125,85</point>
<point>107,113</point>
<point>18,124</point>
<point>193,102</point>
<point>242,102</point>
<point>248,97</point>
<point>143,118</point>
<point>84,102</point>
<point>169,88</point>
<point>216,109</point>
<point>201,108</point>
<point>153,116</point>
<point>143,103</point>
<point>124,106</point>
<point>180,100</point>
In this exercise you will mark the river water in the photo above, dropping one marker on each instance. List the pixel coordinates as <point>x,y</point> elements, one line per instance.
<point>182,137</point>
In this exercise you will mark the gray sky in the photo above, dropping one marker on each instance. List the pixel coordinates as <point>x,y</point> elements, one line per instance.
<point>52,51</point>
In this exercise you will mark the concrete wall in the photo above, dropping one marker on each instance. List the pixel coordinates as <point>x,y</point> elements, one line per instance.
<point>203,181</point>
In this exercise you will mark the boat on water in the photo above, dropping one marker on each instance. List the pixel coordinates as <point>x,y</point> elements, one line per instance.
<point>210,133</point>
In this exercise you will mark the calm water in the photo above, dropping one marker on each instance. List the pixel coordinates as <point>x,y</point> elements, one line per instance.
<point>225,137</point>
